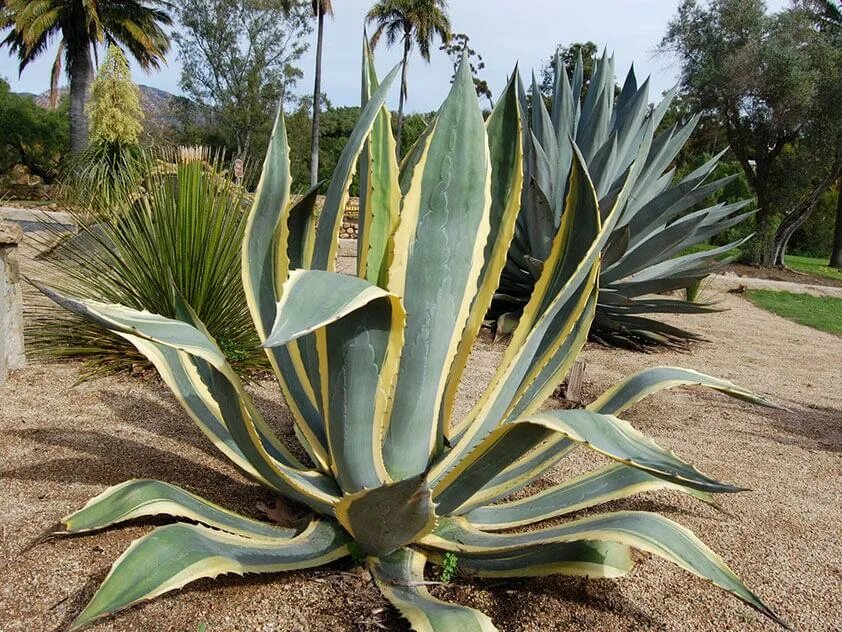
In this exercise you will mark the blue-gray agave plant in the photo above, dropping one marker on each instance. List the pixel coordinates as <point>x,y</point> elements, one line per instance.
<point>613,131</point>
<point>369,366</point>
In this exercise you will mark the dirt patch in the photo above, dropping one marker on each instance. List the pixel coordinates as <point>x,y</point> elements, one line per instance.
<point>780,274</point>
<point>60,444</point>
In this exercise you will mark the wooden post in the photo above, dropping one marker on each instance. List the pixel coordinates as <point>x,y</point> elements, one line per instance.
<point>11,311</point>
<point>575,382</point>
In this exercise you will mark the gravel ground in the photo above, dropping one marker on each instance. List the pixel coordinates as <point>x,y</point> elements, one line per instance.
<point>61,443</point>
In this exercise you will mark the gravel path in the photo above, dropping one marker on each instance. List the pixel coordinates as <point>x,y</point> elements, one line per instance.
<point>60,444</point>
<point>726,282</point>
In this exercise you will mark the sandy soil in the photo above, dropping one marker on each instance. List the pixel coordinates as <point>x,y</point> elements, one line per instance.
<point>60,444</point>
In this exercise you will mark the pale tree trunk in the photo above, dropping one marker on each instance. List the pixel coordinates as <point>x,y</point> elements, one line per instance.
<point>406,46</point>
<point>796,218</point>
<point>836,253</point>
<point>317,97</point>
<point>81,71</point>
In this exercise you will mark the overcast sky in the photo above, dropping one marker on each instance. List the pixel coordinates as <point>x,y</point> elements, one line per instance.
<point>502,31</point>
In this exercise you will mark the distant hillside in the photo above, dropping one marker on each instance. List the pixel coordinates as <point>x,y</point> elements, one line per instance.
<point>159,106</point>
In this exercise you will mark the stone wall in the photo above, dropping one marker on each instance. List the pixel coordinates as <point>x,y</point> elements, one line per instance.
<point>11,312</point>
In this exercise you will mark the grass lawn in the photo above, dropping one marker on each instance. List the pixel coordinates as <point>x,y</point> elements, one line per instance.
<point>822,313</point>
<point>814,266</point>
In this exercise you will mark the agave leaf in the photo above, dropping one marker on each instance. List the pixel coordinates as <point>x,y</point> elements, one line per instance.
<point>506,151</point>
<point>401,580</point>
<point>313,299</point>
<point>261,260</point>
<point>302,236</point>
<point>612,437</point>
<point>547,319</point>
<point>265,263</point>
<point>520,473</point>
<point>336,197</point>
<point>666,206</point>
<point>685,265</point>
<point>248,430</point>
<point>586,558</point>
<point>639,529</point>
<point>380,193</point>
<point>359,331</point>
<point>385,518</point>
<point>641,385</point>
<point>172,556</point>
<point>611,482</point>
<point>647,253</point>
<point>140,498</point>
<point>446,209</point>
<point>552,364</point>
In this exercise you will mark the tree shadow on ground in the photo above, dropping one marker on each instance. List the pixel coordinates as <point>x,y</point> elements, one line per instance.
<point>169,421</point>
<point>511,608</point>
<point>810,427</point>
<point>111,460</point>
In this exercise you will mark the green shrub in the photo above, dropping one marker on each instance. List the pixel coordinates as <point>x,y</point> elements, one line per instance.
<point>148,222</point>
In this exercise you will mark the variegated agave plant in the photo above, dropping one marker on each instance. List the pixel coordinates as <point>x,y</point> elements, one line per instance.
<point>652,228</point>
<point>370,364</point>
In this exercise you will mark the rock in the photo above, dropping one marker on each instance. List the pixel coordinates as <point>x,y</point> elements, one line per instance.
<point>10,234</point>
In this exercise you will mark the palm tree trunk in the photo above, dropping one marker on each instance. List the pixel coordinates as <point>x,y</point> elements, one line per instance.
<point>836,253</point>
<point>317,94</point>
<point>55,76</point>
<point>406,45</point>
<point>81,70</point>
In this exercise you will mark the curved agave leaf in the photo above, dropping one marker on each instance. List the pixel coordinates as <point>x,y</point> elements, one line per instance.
<point>505,143</point>
<point>380,193</point>
<point>520,473</point>
<point>641,385</point>
<point>445,209</point>
<point>611,482</point>
<point>555,306</point>
<point>401,580</point>
<point>336,197</point>
<point>248,430</point>
<point>639,529</point>
<point>171,557</point>
<point>585,558</point>
<point>265,263</point>
<point>140,498</point>
<point>612,437</point>
<point>359,331</point>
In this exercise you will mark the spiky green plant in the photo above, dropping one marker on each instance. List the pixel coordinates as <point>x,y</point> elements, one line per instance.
<point>147,219</point>
<point>370,364</point>
<point>654,223</point>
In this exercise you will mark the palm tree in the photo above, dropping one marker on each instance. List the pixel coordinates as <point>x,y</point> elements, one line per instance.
<point>80,26</point>
<point>320,9</point>
<point>415,23</point>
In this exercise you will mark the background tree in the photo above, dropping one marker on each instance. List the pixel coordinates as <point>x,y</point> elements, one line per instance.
<point>114,109</point>
<point>320,9</point>
<point>460,44</point>
<point>828,17</point>
<point>763,77</point>
<point>414,23</point>
<point>30,135</point>
<point>81,25</point>
<point>569,54</point>
<point>238,58</point>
